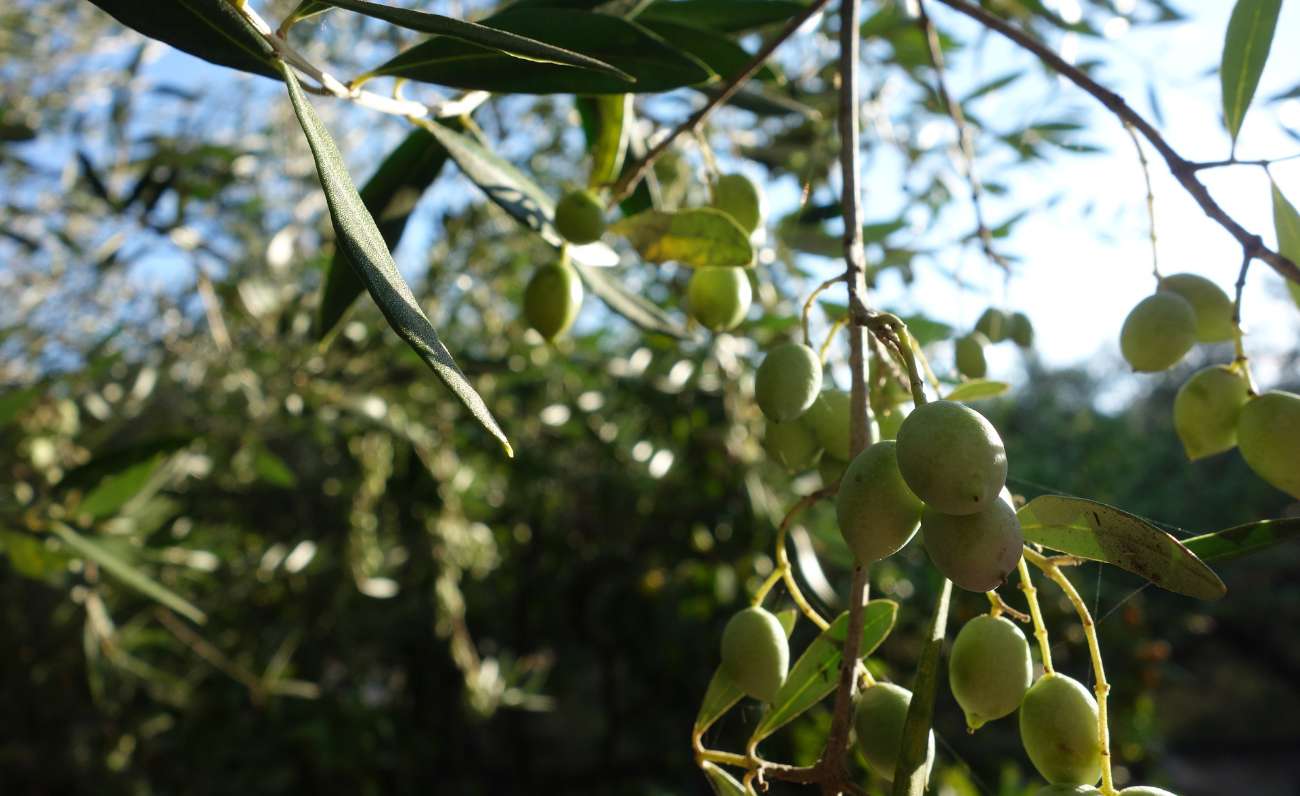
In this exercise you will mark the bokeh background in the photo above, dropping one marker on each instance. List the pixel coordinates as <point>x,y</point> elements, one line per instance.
<point>394,608</point>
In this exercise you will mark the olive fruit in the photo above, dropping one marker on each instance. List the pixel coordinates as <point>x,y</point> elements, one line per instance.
<point>1158,332</point>
<point>1022,330</point>
<point>889,421</point>
<point>828,417</point>
<point>552,299</point>
<point>951,457</point>
<point>989,670</point>
<point>580,217</point>
<point>1068,790</point>
<point>755,653</point>
<point>975,551</point>
<point>970,355</point>
<point>877,513</point>
<point>1206,410</point>
<point>878,718</point>
<point>719,298</point>
<point>1212,306</point>
<point>1268,433</point>
<point>791,444</point>
<point>737,196</point>
<point>1145,790</point>
<point>993,324</point>
<point>788,381</point>
<point>1058,727</point>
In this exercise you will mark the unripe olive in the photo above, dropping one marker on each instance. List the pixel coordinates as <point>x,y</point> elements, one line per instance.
<point>1058,727</point>
<point>1022,330</point>
<point>1206,411</point>
<point>975,551</point>
<point>788,381</point>
<point>755,653</point>
<point>1145,790</point>
<point>877,513</point>
<point>878,718</point>
<point>989,670</point>
<point>580,217</point>
<point>890,420</point>
<point>951,457</point>
<point>1068,790</point>
<point>970,355</point>
<point>1268,433</point>
<point>737,196</point>
<point>1158,332</point>
<point>791,444</point>
<point>552,299</point>
<point>829,419</point>
<point>719,298</point>
<point>993,324</point>
<point>1212,306</point>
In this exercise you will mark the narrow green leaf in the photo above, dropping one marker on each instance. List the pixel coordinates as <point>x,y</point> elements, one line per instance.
<point>816,673</point>
<point>1245,51</point>
<point>723,784</point>
<point>993,85</point>
<point>911,773</point>
<point>482,35</point>
<point>607,122</point>
<point>127,573</point>
<point>720,53</point>
<point>389,196</point>
<point>305,9</point>
<point>722,694</point>
<point>699,237</point>
<point>976,390</point>
<point>1286,221</point>
<point>272,469</point>
<point>13,402</point>
<point>635,307</point>
<point>362,243</point>
<point>763,100</point>
<point>723,16</point>
<point>115,489</point>
<point>1095,531</point>
<point>653,64</point>
<point>1243,539</point>
<point>209,29</point>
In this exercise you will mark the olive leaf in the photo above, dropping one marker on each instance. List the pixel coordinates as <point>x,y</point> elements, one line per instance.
<point>1286,221</point>
<point>210,29</point>
<point>720,53</point>
<point>976,390</point>
<point>115,489</point>
<point>607,124</point>
<point>699,237</point>
<point>731,16</point>
<point>363,245</point>
<point>1095,531</point>
<point>722,694</point>
<point>1245,51</point>
<point>1243,540</point>
<point>631,305</point>
<point>911,772</point>
<point>816,673</point>
<point>723,784</point>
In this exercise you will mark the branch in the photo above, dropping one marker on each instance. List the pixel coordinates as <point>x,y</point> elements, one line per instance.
<point>623,188</point>
<point>1183,170</point>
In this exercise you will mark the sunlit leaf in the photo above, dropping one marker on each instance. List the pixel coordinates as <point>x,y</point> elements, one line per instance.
<point>607,123</point>
<point>723,784</point>
<point>115,489</point>
<point>1286,221</point>
<point>698,237</point>
<point>1245,51</point>
<point>977,389</point>
<point>1243,539</point>
<point>722,694</point>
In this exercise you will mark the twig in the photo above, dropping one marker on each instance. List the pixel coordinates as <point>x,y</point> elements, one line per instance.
<point>1040,627</point>
<point>1241,362</point>
<point>1183,170</point>
<point>1262,163</point>
<point>808,302</point>
<point>997,607</point>
<point>623,188</point>
<point>1151,200</point>
<point>783,558</point>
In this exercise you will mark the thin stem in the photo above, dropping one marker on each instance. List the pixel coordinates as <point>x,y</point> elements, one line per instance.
<point>1151,200</point>
<point>1102,687</point>
<point>824,352</point>
<point>1262,163</point>
<point>1040,627</point>
<point>783,558</point>
<point>998,606</point>
<point>1241,362</point>
<point>771,581</point>
<point>1183,170</point>
<point>808,302</point>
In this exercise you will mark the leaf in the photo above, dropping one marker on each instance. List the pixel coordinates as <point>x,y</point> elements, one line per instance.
<point>115,489</point>
<point>723,16</point>
<point>607,123</point>
<point>210,29</point>
<point>127,573</point>
<point>816,673</point>
<point>482,35</point>
<point>635,307</point>
<point>272,469</point>
<point>29,557</point>
<point>976,390</point>
<point>698,237</point>
<point>722,694</point>
<point>652,63</point>
<point>389,196</point>
<point>13,402</point>
<point>1095,531</point>
<point>910,773</point>
<point>1245,50</point>
<point>1243,539</point>
<point>926,330</point>
<point>718,52</point>
<point>1286,221</point>
<point>723,784</point>
<point>992,86</point>
<point>362,243</point>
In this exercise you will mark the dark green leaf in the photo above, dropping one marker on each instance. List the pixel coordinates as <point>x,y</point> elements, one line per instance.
<point>1286,221</point>
<point>723,784</point>
<point>607,122</point>
<point>992,86</point>
<point>1095,531</point>
<point>911,771</point>
<point>14,402</point>
<point>977,390</point>
<point>653,63</point>
<point>272,469</point>
<point>360,240</point>
<point>209,29</point>
<point>115,489</point>
<point>722,694</point>
<point>631,305</point>
<point>699,237</point>
<point>1245,51</point>
<point>1243,539</point>
<point>720,53</point>
<point>723,16</point>
<point>30,557</point>
<point>763,100</point>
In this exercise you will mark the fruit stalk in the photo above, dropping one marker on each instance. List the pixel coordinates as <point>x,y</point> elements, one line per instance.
<point>1040,627</point>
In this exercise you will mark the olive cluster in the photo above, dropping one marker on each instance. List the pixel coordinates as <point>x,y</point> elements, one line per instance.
<point>993,326</point>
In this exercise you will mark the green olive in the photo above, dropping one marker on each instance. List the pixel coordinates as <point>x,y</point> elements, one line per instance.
<point>1268,433</point>
<point>970,355</point>
<point>1058,727</point>
<point>1068,790</point>
<point>719,298</point>
<point>975,551</point>
<point>890,420</point>
<point>989,669</point>
<point>737,196</point>
<point>951,457</point>
<point>788,381</point>
<point>1145,790</point>
<point>755,653</point>
<point>1212,306</point>
<point>1022,330</point>
<point>828,418</point>
<point>878,718</point>
<point>993,324</point>
<point>791,444</point>
<point>1206,411</point>
<point>552,299</point>
<point>1158,332</point>
<point>580,217</point>
<point>877,513</point>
